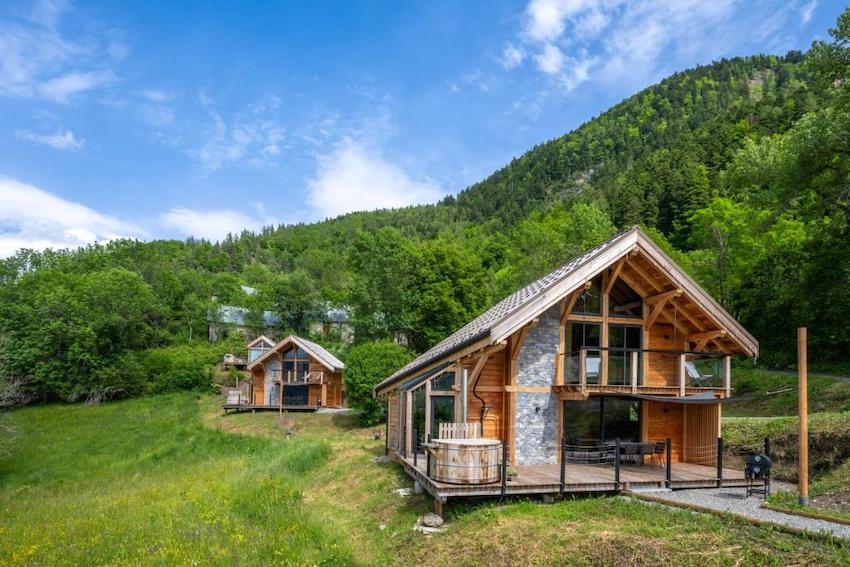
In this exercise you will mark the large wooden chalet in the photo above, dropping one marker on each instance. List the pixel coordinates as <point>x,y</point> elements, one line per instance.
<point>618,351</point>
<point>294,374</point>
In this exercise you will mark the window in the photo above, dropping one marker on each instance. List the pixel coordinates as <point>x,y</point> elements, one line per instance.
<point>296,364</point>
<point>442,411</point>
<point>580,335</point>
<point>590,302</point>
<point>601,418</point>
<point>622,341</point>
<point>419,413</point>
<point>623,301</point>
<point>444,382</point>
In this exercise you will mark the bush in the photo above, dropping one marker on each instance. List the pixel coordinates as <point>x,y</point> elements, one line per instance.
<point>368,364</point>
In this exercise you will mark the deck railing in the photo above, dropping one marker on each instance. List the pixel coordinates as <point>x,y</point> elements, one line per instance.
<point>623,367</point>
<point>294,377</point>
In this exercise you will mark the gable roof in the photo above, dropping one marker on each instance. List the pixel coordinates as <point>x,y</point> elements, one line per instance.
<point>261,338</point>
<point>510,314</point>
<point>315,350</point>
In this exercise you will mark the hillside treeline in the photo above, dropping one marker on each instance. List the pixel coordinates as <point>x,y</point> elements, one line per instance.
<point>740,169</point>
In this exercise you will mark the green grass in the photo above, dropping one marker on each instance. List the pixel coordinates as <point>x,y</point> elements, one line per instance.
<point>169,480</point>
<point>829,456</point>
<point>760,392</point>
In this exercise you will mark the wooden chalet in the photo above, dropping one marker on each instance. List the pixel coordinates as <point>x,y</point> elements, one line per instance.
<point>607,373</point>
<point>294,374</point>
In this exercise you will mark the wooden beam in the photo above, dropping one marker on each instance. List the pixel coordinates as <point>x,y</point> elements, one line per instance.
<point>520,338</point>
<point>707,335</point>
<point>479,366</point>
<point>643,274</point>
<point>570,302</point>
<point>656,311</point>
<point>665,296</point>
<point>615,273</point>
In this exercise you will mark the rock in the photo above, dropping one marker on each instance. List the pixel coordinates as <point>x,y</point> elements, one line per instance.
<point>431,520</point>
<point>382,460</point>
<point>417,488</point>
<point>403,492</point>
<point>382,527</point>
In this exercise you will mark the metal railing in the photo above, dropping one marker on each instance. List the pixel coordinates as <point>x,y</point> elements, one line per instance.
<point>624,367</point>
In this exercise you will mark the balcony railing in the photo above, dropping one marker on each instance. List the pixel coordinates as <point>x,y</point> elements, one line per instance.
<point>294,377</point>
<point>684,370</point>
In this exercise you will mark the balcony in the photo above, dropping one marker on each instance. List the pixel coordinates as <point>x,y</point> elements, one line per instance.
<point>297,378</point>
<point>650,371</point>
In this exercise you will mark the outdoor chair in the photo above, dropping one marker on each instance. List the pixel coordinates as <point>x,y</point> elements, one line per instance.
<point>659,452</point>
<point>697,378</point>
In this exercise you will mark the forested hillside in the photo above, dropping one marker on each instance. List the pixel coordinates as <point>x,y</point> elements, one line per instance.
<point>740,169</point>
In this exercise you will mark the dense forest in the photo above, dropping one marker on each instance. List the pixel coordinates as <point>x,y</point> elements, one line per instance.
<point>739,169</point>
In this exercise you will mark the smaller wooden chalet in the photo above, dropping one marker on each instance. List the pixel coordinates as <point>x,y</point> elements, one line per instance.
<point>294,374</point>
<point>616,358</point>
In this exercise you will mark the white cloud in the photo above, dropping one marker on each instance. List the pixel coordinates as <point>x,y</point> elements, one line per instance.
<point>550,60</point>
<point>512,56</point>
<point>59,140</point>
<point>33,218</point>
<point>252,137</point>
<point>213,224</point>
<point>807,11</point>
<point>354,177</point>
<point>617,41</point>
<point>38,61</point>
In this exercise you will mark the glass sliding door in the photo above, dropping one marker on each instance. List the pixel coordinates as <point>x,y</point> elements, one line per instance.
<point>419,414</point>
<point>442,411</point>
<point>622,341</point>
<point>601,418</point>
<point>579,335</point>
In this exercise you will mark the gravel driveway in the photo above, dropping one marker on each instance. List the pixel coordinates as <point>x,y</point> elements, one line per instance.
<point>733,500</point>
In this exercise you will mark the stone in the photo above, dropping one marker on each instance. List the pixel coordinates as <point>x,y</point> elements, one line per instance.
<point>381,460</point>
<point>382,527</point>
<point>537,412</point>
<point>403,492</point>
<point>431,520</point>
<point>417,488</point>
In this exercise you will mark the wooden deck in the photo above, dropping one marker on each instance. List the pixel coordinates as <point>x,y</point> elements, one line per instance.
<point>264,407</point>
<point>545,479</point>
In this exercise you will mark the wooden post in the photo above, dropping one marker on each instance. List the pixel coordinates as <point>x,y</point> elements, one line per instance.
<point>802,384</point>
<point>280,398</point>
<point>719,462</point>
<point>582,369</point>
<point>669,471</point>
<point>681,371</point>
<point>727,375</point>
<point>634,364</point>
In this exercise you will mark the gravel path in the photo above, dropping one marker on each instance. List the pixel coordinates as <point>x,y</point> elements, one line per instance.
<point>733,500</point>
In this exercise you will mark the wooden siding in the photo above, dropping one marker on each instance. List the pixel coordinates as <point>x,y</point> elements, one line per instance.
<point>393,421</point>
<point>662,368</point>
<point>665,420</point>
<point>702,428</point>
<point>490,386</point>
<point>258,385</point>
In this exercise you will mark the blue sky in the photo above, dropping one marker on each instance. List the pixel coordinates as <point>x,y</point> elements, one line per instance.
<point>168,119</point>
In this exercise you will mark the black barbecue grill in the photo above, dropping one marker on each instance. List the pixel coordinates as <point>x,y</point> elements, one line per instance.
<point>757,472</point>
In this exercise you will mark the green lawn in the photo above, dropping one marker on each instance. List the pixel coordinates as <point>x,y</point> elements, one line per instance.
<point>168,480</point>
<point>760,392</point>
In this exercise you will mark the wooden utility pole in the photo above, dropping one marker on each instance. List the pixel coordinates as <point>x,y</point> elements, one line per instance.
<point>802,384</point>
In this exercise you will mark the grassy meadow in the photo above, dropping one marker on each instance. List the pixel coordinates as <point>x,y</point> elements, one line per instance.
<point>168,480</point>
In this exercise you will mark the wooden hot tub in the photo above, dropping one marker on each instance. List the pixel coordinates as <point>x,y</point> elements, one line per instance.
<point>465,461</point>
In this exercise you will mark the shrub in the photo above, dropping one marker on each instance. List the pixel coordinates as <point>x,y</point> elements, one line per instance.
<point>368,364</point>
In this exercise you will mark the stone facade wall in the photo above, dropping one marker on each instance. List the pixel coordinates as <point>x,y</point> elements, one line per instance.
<point>272,368</point>
<point>537,413</point>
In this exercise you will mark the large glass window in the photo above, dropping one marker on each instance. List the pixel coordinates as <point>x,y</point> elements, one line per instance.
<point>601,418</point>
<point>442,411</point>
<point>622,341</point>
<point>296,364</point>
<point>444,382</point>
<point>419,413</point>
<point>590,302</point>
<point>623,301</point>
<point>580,335</point>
